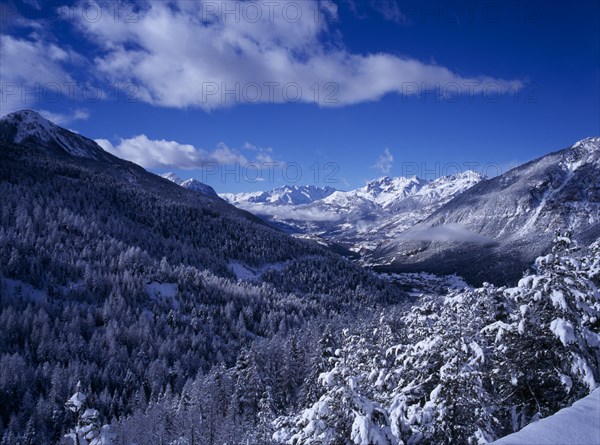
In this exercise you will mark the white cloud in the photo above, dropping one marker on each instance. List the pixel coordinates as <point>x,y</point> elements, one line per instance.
<point>452,232</point>
<point>288,212</point>
<point>183,54</point>
<point>160,153</point>
<point>32,70</point>
<point>385,162</point>
<point>63,119</point>
<point>263,155</point>
<point>390,10</point>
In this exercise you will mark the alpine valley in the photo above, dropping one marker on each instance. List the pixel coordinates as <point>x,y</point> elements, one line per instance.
<point>483,229</point>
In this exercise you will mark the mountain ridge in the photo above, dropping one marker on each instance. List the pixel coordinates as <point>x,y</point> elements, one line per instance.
<point>517,213</point>
<point>192,184</point>
<point>284,195</point>
<point>362,218</point>
<point>29,128</point>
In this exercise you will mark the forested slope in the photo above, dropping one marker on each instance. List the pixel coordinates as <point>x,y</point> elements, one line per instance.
<point>120,279</point>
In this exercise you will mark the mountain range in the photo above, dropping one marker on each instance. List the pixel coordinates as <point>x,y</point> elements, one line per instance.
<point>287,195</point>
<point>495,229</point>
<point>485,229</point>
<point>360,219</point>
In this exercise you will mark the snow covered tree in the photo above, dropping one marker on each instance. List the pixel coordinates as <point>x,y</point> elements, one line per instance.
<point>552,346</point>
<point>312,389</point>
<point>248,389</point>
<point>344,414</point>
<point>266,415</point>
<point>443,390</point>
<point>87,430</point>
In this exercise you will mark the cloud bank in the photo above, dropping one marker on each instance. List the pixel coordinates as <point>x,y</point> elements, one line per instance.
<point>216,54</point>
<point>160,153</point>
<point>287,212</point>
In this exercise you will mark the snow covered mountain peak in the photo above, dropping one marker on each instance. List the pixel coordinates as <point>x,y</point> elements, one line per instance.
<point>445,186</point>
<point>191,184</point>
<point>392,185</point>
<point>390,192</point>
<point>284,195</point>
<point>592,143</point>
<point>583,152</point>
<point>29,123</point>
<point>468,175</point>
<point>172,177</point>
<point>386,182</point>
<point>29,128</point>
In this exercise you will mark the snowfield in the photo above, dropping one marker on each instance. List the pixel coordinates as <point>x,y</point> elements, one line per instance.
<point>578,424</point>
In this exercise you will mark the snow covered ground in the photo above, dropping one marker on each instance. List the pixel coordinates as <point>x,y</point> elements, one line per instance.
<point>165,292</point>
<point>578,424</point>
<point>246,273</point>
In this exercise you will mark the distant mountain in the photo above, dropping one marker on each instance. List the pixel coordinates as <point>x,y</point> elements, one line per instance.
<point>192,184</point>
<point>495,229</point>
<point>286,195</point>
<point>359,219</point>
<point>400,194</point>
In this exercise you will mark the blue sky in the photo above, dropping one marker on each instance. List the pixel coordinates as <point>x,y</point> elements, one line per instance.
<point>328,93</point>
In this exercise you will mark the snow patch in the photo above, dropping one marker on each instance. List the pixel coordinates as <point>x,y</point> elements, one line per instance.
<point>558,299</point>
<point>563,330</point>
<point>163,292</point>
<point>246,273</point>
<point>156,289</point>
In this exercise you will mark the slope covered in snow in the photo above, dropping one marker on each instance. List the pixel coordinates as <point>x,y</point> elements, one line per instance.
<point>467,365</point>
<point>30,129</point>
<point>494,230</point>
<point>578,424</point>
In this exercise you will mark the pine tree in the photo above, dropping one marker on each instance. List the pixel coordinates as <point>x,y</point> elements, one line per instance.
<point>312,389</point>
<point>553,348</point>
<point>344,413</point>
<point>266,416</point>
<point>442,394</point>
